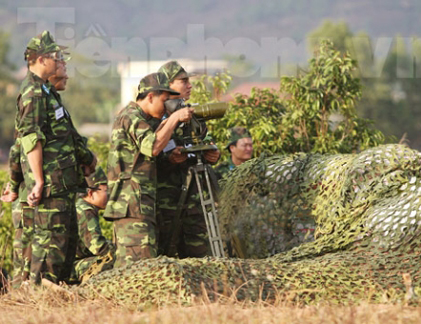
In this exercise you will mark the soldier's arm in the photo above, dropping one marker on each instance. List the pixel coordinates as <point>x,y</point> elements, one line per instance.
<point>166,128</point>
<point>15,168</point>
<point>35,161</point>
<point>32,139</point>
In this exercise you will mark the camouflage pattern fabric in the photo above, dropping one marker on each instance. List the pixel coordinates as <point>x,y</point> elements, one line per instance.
<point>224,168</point>
<point>23,219</point>
<point>42,117</point>
<point>97,178</point>
<point>91,245</point>
<point>62,146</point>
<point>365,248</point>
<point>54,239</point>
<point>42,44</point>
<point>173,70</point>
<point>237,133</point>
<point>193,240</point>
<point>15,168</point>
<point>132,184</point>
<point>155,82</point>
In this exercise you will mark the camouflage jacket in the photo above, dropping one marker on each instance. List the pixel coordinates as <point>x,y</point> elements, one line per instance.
<point>42,117</point>
<point>91,241</point>
<point>131,169</point>
<point>223,168</point>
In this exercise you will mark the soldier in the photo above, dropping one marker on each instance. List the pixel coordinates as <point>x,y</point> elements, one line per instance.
<point>240,146</point>
<point>92,247</point>
<point>138,136</point>
<point>173,166</point>
<point>51,153</point>
<point>22,213</point>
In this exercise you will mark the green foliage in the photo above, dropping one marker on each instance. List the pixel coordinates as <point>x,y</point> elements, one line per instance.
<point>100,149</point>
<point>8,89</point>
<point>339,34</point>
<point>327,90</point>
<point>313,112</point>
<point>210,88</point>
<point>260,112</point>
<point>6,229</point>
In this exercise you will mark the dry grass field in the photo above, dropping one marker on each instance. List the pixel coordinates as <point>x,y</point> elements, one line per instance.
<point>48,306</point>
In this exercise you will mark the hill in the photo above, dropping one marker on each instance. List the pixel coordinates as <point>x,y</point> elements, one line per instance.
<point>223,20</point>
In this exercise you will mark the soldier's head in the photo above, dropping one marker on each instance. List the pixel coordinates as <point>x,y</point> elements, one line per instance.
<point>178,78</point>
<point>97,189</point>
<point>153,91</point>
<point>42,54</point>
<point>59,79</point>
<point>240,145</point>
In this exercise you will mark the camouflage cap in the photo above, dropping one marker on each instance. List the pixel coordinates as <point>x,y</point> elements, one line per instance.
<point>97,178</point>
<point>42,44</point>
<point>173,70</point>
<point>155,82</point>
<point>237,133</point>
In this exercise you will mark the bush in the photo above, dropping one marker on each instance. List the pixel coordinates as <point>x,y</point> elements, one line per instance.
<point>6,229</point>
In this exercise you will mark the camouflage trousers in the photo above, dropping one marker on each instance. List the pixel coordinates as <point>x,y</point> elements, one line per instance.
<point>135,239</point>
<point>83,266</point>
<point>23,221</point>
<point>54,239</point>
<point>193,238</point>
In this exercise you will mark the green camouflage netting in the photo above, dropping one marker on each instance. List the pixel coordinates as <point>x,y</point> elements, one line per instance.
<point>332,228</point>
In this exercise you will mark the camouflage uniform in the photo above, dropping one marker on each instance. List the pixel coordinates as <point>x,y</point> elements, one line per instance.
<point>193,240</point>
<point>42,117</point>
<point>92,246</point>
<point>22,216</point>
<point>236,133</point>
<point>224,168</point>
<point>132,181</point>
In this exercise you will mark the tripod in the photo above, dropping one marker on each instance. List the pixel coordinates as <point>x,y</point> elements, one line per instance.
<point>208,208</point>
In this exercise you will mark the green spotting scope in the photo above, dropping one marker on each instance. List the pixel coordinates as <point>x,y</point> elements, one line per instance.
<point>207,111</point>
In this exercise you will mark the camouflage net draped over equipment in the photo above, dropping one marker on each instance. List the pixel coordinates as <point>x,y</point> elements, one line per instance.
<point>335,228</point>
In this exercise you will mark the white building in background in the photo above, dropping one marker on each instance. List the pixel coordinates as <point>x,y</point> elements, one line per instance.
<point>132,72</point>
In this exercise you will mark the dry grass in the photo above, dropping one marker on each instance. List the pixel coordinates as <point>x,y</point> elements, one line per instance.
<point>48,306</point>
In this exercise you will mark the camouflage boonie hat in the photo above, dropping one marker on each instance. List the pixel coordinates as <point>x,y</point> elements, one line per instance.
<point>155,82</point>
<point>42,44</point>
<point>237,133</point>
<point>97,178</point>
<point>173,70</point>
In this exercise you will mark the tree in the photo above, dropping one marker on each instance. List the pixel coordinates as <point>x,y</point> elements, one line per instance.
<point>339,34</point>
<point>8,91</point>
<point>329,89</point>
<point>313,112</point>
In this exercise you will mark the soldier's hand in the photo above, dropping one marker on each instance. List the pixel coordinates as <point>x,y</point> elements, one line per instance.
<point>35,195</point>
<point>184,114</point>
<point>212,156</point>
<point>176,156</point>
<point>8,195</point>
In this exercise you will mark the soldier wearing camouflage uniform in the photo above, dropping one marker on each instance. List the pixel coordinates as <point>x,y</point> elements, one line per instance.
<point>138,136</point>
<point>240,145</point>
<point>92,247</point>
<point>22,213</point>
<point>51,153</point>
<point>173,167</point>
